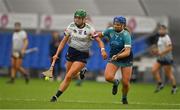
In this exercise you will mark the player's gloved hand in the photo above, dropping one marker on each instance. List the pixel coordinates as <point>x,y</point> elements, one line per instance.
<point>55,57</point>
<point>160,54</point>
<point>154,51</point>
<point>104,54</point>
<point>114,58</point>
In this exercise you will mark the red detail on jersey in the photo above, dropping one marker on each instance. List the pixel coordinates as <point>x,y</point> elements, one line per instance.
<point>95,35</point>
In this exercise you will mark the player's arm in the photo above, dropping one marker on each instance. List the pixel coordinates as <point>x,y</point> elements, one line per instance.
<point>61,46</point>
<point>26,42</point>
<point>126,52</point>
<point>99,34</point>
<point>101,45</point>
<point>102,34</point>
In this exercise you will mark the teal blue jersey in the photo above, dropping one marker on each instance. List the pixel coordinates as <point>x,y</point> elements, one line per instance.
<point>118,41</point>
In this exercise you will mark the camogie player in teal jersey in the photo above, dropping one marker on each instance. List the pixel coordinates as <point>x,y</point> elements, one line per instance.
<point>121,56</point>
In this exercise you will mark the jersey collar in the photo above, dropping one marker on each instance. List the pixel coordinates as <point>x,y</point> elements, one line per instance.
<point>120,32</point>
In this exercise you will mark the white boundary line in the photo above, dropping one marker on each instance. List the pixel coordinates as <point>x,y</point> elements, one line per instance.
<point>93,102</point>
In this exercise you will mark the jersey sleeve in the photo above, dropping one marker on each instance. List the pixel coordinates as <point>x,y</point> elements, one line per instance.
<point>105,33</point>
<point>127,39</point>
<point>68,30</point>
<point>92,30</point>
<point>24,34</point>
<point>168,40</point>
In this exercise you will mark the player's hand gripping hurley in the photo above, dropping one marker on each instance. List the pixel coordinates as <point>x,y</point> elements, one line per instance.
<point>115,57</point>
<point>49,72</point>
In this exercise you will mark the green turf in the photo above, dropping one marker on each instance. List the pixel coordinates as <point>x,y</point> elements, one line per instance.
<point>90,95</point>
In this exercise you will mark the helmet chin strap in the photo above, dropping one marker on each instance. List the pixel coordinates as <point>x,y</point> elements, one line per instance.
<point>80,26</point>
<point>119,30</point>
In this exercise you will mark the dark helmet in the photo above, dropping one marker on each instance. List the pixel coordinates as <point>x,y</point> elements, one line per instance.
<point>120,19</point>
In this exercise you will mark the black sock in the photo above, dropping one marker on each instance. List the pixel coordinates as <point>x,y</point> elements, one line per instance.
<point>12,78</point>
<point>159,83</point>
<point>124,96</point>
<point>26,76</point>
<point>174,86</point>
<point>58,93</point>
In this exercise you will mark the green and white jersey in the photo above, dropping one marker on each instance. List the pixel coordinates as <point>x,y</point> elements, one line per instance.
<point>163,42</point>
<point>80,38</point>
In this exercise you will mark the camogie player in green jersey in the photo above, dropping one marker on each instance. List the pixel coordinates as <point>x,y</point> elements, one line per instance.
<point>79,36</point>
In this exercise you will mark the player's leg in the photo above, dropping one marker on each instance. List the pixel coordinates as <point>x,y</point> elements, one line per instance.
<point>22,70</point>
<point>73,71</point>
<point>68,66</point>
<point>13,70</point>
<point>75,68</point>
<point>110,72</point>
<point>81,76</point>
<point>155,72</point>
<point>126,76</point>
<point>170,75</point>
<point>82,73</point>
<point>110,76</point>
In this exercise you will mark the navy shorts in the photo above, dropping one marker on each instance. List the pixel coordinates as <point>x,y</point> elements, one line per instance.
<point>165,62</point>
<point>76,55</point>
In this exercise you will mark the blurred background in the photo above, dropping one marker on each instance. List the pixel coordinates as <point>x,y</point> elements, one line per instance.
<point>45,21</point>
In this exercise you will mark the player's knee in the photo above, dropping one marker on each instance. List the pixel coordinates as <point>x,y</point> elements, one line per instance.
<point>13,67</point>
<point>171,77</point>
<point>153,71</point>
<point>18,68</point>
<point>125,83</point>
<point>109,77</point>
